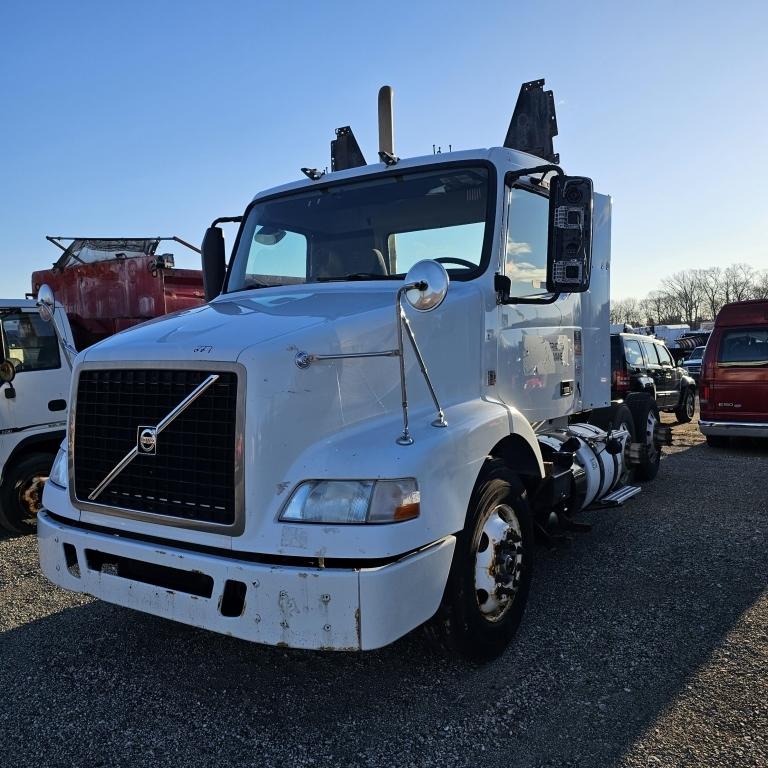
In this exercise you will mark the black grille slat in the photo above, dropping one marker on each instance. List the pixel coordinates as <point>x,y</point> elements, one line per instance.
<point>192,474</point>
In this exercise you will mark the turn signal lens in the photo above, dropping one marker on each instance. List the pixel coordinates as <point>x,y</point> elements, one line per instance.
<point>394,501</point>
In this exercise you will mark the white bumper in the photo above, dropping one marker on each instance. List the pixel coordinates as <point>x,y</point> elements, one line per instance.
<point>328,608</point>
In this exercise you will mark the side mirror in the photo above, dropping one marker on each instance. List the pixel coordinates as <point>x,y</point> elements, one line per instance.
<point>569,255</point>
<point>214,262</point>
<point>7,372</point>
<point>46,303</point>
<point>430,281</point>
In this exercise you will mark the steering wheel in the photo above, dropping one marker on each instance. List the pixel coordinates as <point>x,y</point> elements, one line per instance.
<point>452,260</point>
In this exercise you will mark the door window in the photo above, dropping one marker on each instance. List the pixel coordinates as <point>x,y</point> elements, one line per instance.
<point>29,342</point>
<point>650,353</point>
<point>526,246</point>
<point>664,356</point>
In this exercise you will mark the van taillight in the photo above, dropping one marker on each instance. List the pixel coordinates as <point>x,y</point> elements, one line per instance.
<point>621,381</point>
<point>704,393</point>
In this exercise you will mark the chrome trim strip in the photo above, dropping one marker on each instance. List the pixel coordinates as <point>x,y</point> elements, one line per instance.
<point>238,526</point>
<point>734,428</point>
<point>169,419</point>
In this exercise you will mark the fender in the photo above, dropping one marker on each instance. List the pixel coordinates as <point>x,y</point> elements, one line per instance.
<point>446,462</point>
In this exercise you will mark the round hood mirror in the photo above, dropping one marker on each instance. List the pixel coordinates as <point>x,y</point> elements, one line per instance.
<point>7,372</point>
<point>432,280</point>
<point>46,303</point>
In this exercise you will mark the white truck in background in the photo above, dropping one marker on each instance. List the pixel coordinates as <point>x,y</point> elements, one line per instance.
<point>35,379</point>
<point>288,465</point>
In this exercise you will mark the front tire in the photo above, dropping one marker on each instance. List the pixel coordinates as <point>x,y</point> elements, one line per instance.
<point>21,494</point>
<point>687,407</point>
<point>490,574</point>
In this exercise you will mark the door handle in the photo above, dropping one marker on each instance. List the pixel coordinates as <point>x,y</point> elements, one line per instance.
<point>57,405</point>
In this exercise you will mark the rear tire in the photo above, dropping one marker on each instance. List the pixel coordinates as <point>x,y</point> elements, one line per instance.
<point>21,494</point>
<point>717,441</point>
<point>618,416</point>
<point>687,407</point>
<point>490,574</point>
<point>645,414</point>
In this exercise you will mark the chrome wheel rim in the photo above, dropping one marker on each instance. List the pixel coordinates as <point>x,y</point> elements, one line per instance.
<point>650,435</point>
<point>498,562</point>
<point>690,404</point>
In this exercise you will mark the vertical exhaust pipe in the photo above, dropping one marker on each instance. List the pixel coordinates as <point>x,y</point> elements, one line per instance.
<point>386,122</point>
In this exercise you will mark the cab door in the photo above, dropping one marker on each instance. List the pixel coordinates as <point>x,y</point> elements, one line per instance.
<point>671,376</point>
<point>37,396</point>
<point>655,371</point>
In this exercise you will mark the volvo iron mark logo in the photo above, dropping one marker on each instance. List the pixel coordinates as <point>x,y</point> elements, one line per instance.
<point>147,440</point>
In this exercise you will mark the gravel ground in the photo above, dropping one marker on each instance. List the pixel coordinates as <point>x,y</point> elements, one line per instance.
<point>645,643</point>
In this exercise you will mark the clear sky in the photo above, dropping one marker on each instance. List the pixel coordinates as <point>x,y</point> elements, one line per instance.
<point>140,118</point>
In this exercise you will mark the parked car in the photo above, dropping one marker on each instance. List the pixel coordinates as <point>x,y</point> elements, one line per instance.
<point>644,364</point>
<point>692,363</point>
<point>734,376</point>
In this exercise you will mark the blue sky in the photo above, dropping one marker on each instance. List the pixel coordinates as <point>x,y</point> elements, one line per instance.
<point>156,117</point>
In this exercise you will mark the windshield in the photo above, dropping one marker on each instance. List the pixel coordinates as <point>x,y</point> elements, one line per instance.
<point>697,354</point>
<point>373,229</point>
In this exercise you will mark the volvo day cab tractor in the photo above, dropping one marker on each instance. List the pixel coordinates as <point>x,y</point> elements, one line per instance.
<point>384,399</point>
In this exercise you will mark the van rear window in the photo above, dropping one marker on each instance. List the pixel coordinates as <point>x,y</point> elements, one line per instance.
<point>744,347</point>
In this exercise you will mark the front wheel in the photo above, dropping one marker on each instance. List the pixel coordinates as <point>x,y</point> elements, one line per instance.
<point>491,570</point>
<point>687,407</point>
<point>21,495</point>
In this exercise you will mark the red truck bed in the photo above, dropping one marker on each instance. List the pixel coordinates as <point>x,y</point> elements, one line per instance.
<point>105,295</point>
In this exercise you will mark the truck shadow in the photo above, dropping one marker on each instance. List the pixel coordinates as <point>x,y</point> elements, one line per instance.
<point>618,622</point>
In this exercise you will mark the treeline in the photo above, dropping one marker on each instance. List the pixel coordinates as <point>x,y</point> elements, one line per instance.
<point>692,296</point>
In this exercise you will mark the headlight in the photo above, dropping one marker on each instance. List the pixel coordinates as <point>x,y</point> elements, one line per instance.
<point>353,501</point>
<point>58,475</point>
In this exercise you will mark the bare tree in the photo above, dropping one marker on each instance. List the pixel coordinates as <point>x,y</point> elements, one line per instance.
<point>684,288</point>
<point>760,285</point>
<point>711,285</point>
<point>738,280</point>
<point>626,311</point>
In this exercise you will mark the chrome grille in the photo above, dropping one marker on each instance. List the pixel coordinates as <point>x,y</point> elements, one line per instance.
<point>192,473</point>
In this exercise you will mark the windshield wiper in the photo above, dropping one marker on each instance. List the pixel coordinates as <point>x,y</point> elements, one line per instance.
<point>358,276</point>
<point>254,285</point>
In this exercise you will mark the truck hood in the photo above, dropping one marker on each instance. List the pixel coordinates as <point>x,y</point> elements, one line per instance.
<point>222,330</point>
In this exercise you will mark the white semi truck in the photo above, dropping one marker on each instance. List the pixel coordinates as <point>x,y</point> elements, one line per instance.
<point>384,400</point>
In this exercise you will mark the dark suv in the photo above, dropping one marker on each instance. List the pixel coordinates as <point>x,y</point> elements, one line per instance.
<point>643,364</point>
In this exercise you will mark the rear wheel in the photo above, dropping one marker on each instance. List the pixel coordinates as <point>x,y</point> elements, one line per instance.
<point>617,417</point>
<point>717,441</point>
<point>491,570</point>
<point>687,407</point>
<point>645,414</point>
<point>21,495</point>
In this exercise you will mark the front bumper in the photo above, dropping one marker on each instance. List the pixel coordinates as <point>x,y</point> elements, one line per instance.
<point>318,608</point>
<point>734,428</point>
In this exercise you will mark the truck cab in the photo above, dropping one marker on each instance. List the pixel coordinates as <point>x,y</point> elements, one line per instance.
<point>363,428</point>
<point>33,408</point>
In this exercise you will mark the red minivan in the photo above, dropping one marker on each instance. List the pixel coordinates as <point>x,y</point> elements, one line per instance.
<point>734,374</point>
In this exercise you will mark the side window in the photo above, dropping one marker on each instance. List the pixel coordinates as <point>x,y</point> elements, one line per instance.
<point>30,343</point>
<point>650,353</point>
<point>633,353</point>
<point>526,248</point>
<point>664,356</point>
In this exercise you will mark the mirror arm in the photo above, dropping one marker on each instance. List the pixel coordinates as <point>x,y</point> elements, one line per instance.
<point>512,176</point>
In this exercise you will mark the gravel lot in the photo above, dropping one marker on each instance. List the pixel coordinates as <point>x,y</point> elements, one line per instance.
<point>645,643</point>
